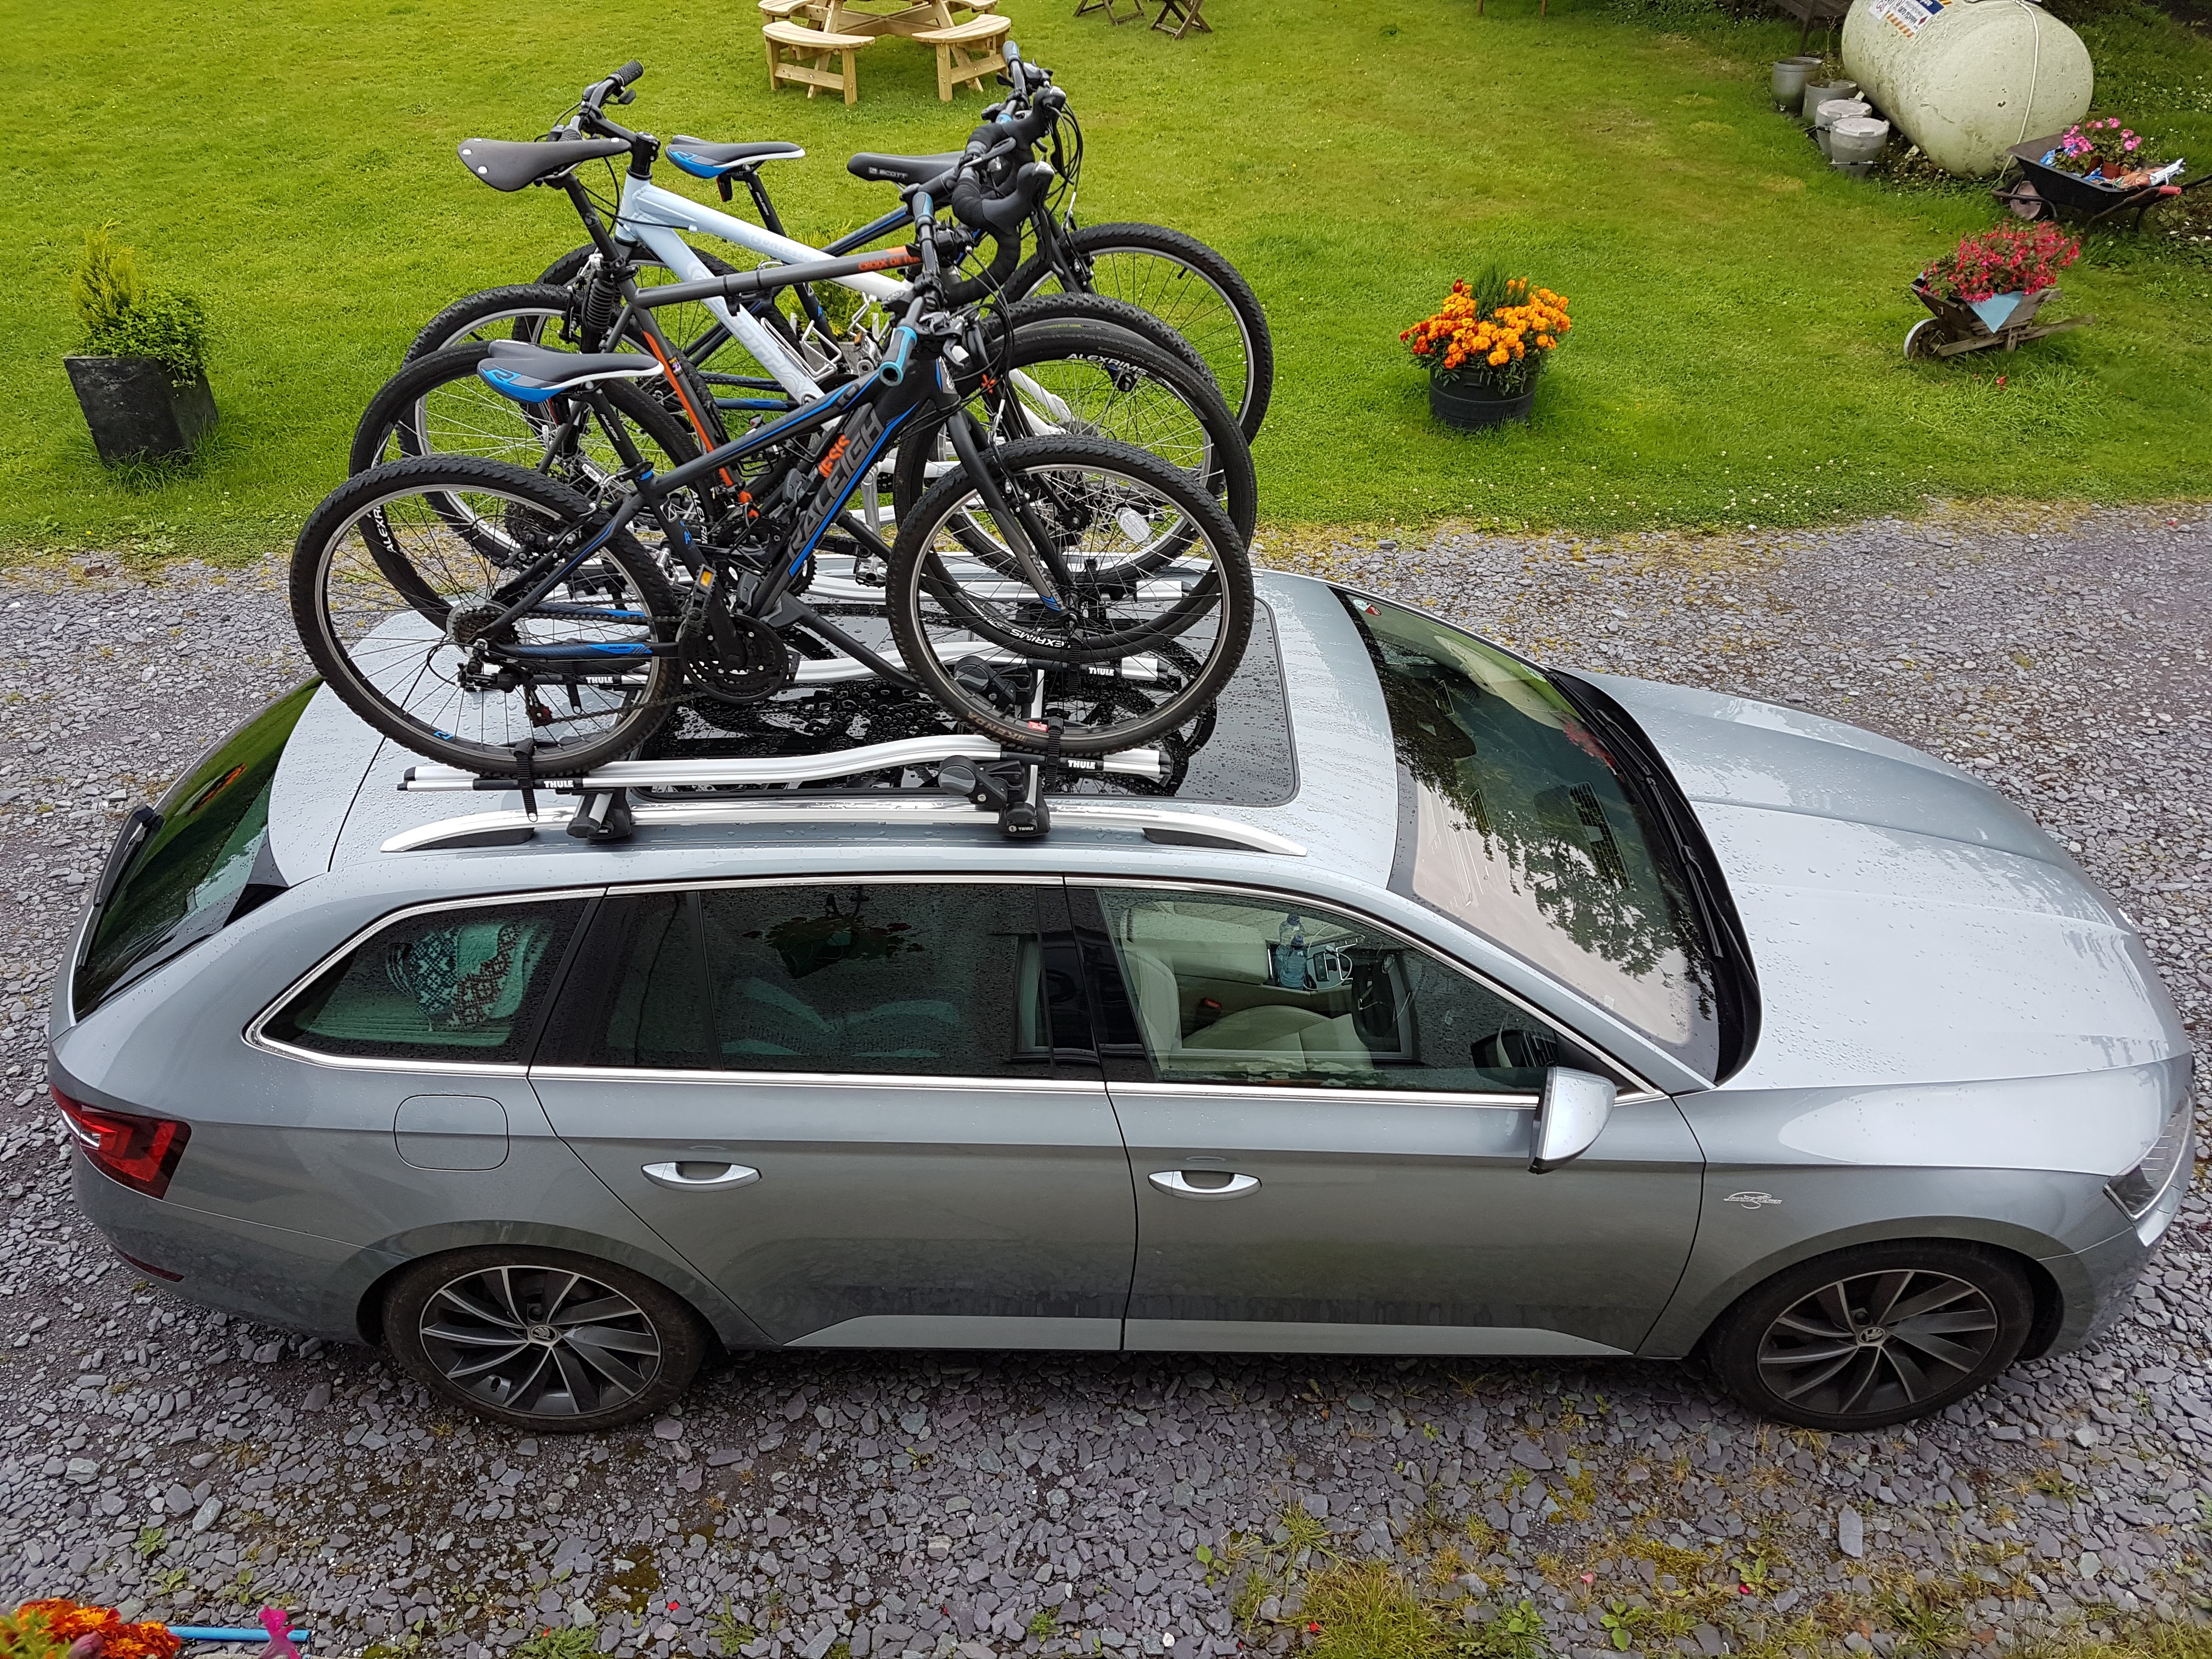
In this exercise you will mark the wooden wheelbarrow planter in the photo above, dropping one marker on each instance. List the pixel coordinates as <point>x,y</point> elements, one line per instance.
<point>1956,327</point>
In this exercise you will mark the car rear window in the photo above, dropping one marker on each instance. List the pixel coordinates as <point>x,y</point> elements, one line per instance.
<point>204,862</point>
<point>1521,828</point>
<point>466,983</point>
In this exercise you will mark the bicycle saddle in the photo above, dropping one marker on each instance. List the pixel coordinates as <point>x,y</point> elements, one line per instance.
<point>704,160</point>
<point>534,375</point>
<point>901,169</point>
<point>506,164</point>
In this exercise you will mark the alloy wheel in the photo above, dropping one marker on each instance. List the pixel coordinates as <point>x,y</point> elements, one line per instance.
<point>1877,1343</point>
<point>540,1341</point>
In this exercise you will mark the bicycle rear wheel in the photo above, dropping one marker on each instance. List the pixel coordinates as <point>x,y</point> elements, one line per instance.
<point>398,580</point>
<point>1125,659</point>
<point>1187,285</point>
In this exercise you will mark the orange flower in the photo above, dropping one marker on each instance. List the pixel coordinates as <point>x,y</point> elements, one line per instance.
<point>67,1620</point>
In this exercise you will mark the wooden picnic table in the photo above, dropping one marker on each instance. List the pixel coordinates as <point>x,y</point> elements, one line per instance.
<point>969,51</point>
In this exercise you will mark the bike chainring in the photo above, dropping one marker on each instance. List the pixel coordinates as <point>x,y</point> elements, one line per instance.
<point>738,659</point>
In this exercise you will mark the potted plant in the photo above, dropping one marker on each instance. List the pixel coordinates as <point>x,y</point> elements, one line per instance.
<point>140,371</point>
<point>1485,349</point>
<point>1996,273</point>
<point>2107,153</point>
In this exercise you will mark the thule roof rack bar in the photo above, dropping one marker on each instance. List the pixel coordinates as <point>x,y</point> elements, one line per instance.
<point>622,795</point>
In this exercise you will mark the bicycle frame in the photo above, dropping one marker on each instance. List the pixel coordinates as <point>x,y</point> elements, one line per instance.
<point>657,220</point>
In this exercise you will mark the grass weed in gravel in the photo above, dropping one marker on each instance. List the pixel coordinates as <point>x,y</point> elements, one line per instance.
<point>1739,308</point>
<point>1034,1504</point>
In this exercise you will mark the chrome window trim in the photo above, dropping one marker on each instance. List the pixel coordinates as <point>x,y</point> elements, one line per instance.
<point>844,878</point>
<point>1634,1086</point>
<point>254,1033</point>
<point>815,1080</point>
<point>1260,1092</point>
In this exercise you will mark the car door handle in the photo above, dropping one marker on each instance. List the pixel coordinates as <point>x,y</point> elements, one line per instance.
<point>1177,1183</point>
<point>692,1175</point>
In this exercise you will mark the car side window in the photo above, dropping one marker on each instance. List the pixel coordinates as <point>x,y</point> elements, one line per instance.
<point>1236,989</point>
<point>916,979</point>
<point>463,984</point>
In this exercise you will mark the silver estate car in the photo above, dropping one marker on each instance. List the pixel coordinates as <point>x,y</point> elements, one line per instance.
<point>1424,1002</point>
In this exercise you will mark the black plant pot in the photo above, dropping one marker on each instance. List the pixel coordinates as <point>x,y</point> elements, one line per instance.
<point>135,411</point>
<point>1471,405</point>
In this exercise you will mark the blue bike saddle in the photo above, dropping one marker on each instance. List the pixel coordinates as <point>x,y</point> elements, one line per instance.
<point>704,160</point>
<point>533,374</point>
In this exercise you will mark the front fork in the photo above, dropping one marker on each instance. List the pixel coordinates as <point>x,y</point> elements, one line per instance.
<point>1034,550</point>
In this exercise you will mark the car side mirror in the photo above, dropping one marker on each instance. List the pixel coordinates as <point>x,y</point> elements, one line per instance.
<point>1571,1114</point>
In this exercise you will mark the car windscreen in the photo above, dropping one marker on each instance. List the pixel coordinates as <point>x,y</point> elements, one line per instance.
<point>1522,827</point>
<point>203,863</point>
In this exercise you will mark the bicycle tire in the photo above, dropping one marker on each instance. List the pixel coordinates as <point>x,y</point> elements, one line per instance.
<point>1227,456</point>
<point>369,498</point>
<point>1247,385</point>
<point>916,578</point>
<point>1058,306</point>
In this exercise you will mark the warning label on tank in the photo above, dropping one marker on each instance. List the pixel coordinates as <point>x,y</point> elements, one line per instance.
<point>1907,17</point>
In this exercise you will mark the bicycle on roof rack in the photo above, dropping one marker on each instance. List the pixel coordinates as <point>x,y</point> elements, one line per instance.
<point>1060,596</point>
<point>1185,295</point>
<point>1080,365</point>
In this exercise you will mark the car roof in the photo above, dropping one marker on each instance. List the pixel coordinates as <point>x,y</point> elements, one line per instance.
<point>1299,747</point>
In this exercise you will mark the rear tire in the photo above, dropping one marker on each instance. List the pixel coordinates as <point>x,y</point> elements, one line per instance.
<point>1880,1334</point>
<point>387,571</point>
<point>613,1346</point>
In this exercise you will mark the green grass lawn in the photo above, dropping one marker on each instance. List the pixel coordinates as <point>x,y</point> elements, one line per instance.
<point>1738,310</point>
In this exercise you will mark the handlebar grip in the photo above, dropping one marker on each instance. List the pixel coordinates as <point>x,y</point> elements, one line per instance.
<point>628,73</point>
<point>1002,215</point>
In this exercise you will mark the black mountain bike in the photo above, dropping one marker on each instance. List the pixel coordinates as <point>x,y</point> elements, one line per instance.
<point>1065,595</point>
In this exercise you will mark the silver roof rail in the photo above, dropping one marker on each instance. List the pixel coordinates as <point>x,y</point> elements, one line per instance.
<point>824,768</point>
<point>1162,823</point>
<point>618,797</point>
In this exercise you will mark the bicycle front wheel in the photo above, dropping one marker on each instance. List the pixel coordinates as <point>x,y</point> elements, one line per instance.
<point>1080,378</point>
<point>1123,658</point>
<point>399,583</point>
<point>1189,286</point>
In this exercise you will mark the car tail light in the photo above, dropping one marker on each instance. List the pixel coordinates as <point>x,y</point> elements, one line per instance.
<point>141,1152</point>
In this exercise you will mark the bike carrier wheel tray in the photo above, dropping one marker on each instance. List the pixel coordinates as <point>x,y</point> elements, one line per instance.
<point>623,796</point>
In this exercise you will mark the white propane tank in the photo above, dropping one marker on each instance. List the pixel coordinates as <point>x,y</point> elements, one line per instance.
<point>1968,79</point>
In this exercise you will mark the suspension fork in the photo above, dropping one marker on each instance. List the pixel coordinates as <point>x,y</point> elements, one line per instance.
<point>1033,550</point>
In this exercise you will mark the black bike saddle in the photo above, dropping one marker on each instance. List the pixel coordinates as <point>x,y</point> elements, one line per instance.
<point>507,164</point>
<point>704,160</point>
<point>901,169</point>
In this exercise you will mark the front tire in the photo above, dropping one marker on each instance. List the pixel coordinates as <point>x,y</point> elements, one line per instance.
<point>544,1340</point>
<point>1881,1333</point>
<point>1189,286</point>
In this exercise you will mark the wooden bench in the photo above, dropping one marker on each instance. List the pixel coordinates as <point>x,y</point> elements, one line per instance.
<point>817,47</point>
<point>954,64</point>
<point>1136,10</point>
<point>777,11</point>
<point>1185,15</point>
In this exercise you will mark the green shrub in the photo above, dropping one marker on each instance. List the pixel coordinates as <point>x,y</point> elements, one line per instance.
<point>124,316</point>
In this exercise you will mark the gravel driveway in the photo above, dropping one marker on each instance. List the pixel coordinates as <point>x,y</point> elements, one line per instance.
<point>157,1455</point>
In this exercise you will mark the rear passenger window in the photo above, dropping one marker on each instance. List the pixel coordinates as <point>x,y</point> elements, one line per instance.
<point>463,984</point>
<point>1231,989</point>
<point>934,980</point>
